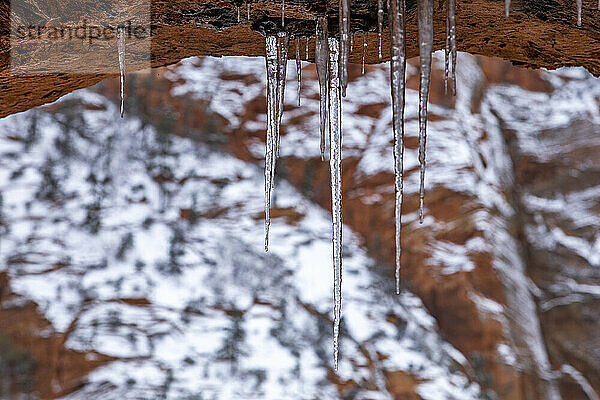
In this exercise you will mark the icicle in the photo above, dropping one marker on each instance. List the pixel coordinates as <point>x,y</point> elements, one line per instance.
<point>276,60</point>
<point>248,12</point>
<point>425,11</point>
<point>282,13</point>
<point>306,49</point>
<point>121,55</point>
<point>282,58</point>
<point>271,58</point>
<point>298,68</point>
<point>579,6</point>
<point>380,23</point>
<point>335,164</point>
<point>344,12</point>
<point>507,8</point>
<point>450,70</point>
<point>364,51</point>
<point>238,13</point>
<point>397,75</point>
<point>321,59</point>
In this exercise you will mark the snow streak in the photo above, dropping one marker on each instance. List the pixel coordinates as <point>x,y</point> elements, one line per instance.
<point>335,164</point>
<point>321,59</point>
<point>121,55</point>
<point>450,70</point>
<point>344,43</point>
<point>397,76</point>
<point>425,15</point>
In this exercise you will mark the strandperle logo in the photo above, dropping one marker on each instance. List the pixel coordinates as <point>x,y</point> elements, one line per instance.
<point>78,36</point>
<point>84,31</point>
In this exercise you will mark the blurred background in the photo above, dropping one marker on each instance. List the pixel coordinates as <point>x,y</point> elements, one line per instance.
<point>131,250</point>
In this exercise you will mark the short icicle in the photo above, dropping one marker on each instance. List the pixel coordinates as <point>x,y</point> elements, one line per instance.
<point>335,165</point>
<point>579,7</point>
<point>121,55</point>
<point>364,51</point>
<point>507,8</point>
<point>298,67</point>
<point>248,12</point>
<point>306,48</point>
<point>344,27</point>
<point>450,70</point>
<point>282,59</point>
<point>380,24</point>
<point>271,58</point>
<point>322,59</point>
<point>425,16</point>
<point>398,79</point>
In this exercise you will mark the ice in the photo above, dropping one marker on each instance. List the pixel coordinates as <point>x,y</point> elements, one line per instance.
<point>425,11</point>
<point>272,56</point>
<point>321,59</point>
<point>344,44</point>
<point>379,24</point>
<point>335,164</point>
<point>398,83</point>
<point>450,60</point>
<point>121,55</point>
<point>298,68</point>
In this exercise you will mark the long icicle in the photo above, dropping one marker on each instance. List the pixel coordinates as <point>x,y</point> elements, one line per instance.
<point>507,8</point>
<point>380,24</point>
<point>450,70</point>
<point>344,27</point>
<point>335,165</point>
<point>398,78</point>
<point>271,58</point>
<point>298,67</point>
<point>282,13</point>
<point>121,56</point>
<point>425,15</point>
<point>321,59</point>
<point>579,7</point>
<point>282,59</point>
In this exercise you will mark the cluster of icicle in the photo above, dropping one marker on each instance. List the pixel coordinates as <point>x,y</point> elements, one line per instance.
<point>331,58</point>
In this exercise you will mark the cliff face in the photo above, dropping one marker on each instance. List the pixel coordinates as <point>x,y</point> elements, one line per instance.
<point>537,34</point>
<point>154,239</point>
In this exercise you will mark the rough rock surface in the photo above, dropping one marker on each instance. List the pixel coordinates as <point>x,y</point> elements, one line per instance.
<point>537,34</point>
